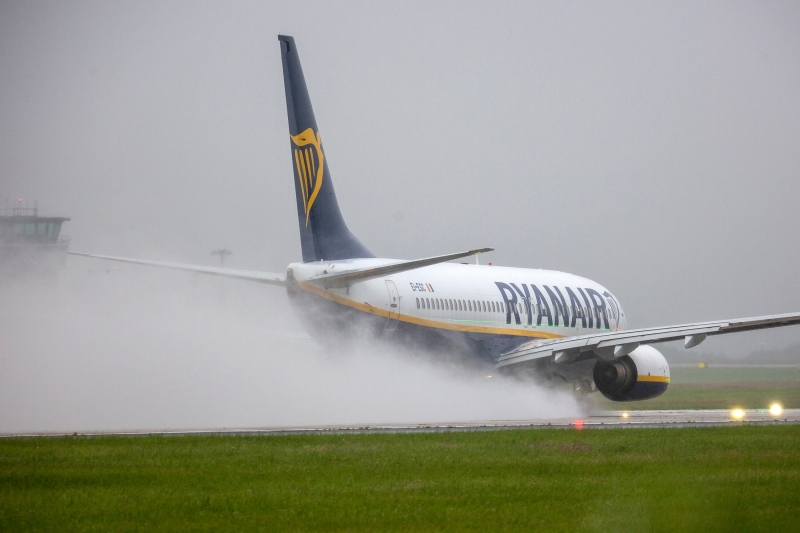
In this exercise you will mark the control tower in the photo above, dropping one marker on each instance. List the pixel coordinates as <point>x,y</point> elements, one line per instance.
<point>30,243</point>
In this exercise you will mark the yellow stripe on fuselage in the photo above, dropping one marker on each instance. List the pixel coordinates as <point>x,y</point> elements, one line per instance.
<point>654,379</point>
<point>424,321</point>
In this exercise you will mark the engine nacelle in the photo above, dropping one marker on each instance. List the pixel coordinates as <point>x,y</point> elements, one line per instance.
<point>640,375</point>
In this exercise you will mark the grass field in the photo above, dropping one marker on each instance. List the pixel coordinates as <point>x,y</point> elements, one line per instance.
<point>721,388</point>
<point>742,478</point>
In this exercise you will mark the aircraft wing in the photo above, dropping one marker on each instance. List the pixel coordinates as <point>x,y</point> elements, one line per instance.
<point>349,277</point>
<point>262,277</point>
<point>611,344</point>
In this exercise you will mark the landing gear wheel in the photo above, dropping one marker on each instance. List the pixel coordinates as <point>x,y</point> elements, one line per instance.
<point>583,387</point>
<point>586,402</point>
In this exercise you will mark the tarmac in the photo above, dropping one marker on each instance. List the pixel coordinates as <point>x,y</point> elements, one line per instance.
<point>602,420</point>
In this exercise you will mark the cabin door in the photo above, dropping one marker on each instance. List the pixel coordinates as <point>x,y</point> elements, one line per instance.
<point>394,305</point>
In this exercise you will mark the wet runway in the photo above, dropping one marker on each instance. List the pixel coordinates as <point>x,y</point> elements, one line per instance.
<point>606,419</point>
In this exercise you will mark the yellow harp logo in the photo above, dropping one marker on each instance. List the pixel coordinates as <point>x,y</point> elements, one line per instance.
<point>310,162</point>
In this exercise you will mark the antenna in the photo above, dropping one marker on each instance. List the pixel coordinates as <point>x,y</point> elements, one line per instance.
<point>221,253</point>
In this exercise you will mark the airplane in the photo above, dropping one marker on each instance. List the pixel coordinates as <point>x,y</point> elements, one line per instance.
<point>543,323</point>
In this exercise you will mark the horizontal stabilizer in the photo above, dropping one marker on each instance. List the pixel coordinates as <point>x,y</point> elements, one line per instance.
<point>611,344</point>
<point>344,279</point>
<point>262,277</point>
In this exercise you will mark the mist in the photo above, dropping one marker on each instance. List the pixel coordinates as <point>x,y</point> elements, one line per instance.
<point>128,348</point>
<point>649,147</point>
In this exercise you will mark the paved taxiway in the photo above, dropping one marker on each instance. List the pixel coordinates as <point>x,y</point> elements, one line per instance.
<point>606,419</point>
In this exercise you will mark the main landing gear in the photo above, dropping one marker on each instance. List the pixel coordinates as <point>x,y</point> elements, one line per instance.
<point>584,387</point>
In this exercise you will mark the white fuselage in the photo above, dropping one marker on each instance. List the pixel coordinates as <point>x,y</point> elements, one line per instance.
<point>484,302</point>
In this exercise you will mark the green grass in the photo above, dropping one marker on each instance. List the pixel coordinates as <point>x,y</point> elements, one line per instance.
<point>712,396</point>
<point>720,388</point>
<point>685,376</point>
<point>692,479</point>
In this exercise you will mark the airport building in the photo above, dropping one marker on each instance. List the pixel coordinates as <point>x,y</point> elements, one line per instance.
<point>30,243</point>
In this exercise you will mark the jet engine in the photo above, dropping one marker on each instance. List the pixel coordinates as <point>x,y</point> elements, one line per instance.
<point>640,375</point>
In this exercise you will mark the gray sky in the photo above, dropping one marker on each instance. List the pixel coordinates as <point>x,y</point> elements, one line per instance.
<point>652,147</point>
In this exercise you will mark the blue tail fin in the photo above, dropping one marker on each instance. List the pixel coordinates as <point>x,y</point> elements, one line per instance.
<point>323,233</point>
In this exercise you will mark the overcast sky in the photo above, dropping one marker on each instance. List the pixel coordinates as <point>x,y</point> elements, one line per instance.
<point>652,147</point>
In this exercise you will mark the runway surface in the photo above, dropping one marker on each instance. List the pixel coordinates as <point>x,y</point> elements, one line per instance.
<point>607,419</point>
